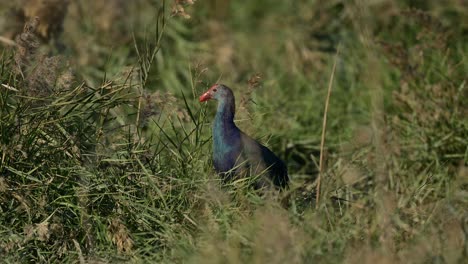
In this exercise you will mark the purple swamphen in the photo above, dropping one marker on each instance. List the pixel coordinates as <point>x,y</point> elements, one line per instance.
<point>235,154</point>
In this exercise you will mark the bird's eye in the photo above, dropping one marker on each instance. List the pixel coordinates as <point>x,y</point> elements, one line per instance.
<point>215,90</point>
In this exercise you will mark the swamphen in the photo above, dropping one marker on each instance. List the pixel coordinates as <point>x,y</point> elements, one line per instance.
<point>236,155</point>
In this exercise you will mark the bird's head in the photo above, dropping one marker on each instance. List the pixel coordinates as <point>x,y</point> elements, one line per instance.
<point>217,92</point>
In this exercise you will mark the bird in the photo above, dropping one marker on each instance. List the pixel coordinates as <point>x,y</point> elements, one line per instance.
<point>235,154</point>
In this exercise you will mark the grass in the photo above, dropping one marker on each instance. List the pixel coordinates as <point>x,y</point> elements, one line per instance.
<point>105,150</point>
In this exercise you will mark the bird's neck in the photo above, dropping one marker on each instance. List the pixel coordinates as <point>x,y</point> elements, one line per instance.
<point>225,114</point>
<point>225,132</point>
<point>226,137</point>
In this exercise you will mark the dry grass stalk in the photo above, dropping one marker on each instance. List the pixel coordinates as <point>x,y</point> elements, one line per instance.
<point>80,252</point>
<point>384,200</point>
<point>7,41</point>
<point>324,129</point>
<point>244,111</point>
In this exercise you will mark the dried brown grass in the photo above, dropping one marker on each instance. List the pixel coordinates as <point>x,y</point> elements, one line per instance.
<point>44,75</point>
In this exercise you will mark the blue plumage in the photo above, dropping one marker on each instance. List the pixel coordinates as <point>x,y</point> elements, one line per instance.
<point>235,154</point>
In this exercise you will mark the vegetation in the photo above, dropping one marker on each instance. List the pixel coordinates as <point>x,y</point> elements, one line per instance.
<point>105,150</point>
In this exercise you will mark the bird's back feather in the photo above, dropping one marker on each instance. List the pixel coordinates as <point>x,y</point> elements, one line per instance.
<point>262,160</point>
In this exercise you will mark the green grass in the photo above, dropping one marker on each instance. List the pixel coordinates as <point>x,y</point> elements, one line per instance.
<point>105,150</point>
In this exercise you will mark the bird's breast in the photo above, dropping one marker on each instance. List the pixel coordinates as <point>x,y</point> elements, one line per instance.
<point>226,149</point>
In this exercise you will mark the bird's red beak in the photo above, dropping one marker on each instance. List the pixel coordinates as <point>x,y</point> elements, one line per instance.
<point>206,96</point>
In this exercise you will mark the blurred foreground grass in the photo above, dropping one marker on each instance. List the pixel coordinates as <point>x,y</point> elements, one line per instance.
<point>105,149</point>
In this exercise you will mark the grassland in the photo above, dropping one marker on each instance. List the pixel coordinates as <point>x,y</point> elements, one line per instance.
<point>105,150</point>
